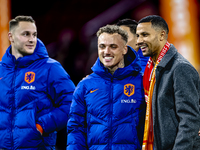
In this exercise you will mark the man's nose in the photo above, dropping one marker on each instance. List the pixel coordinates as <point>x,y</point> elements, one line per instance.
<point>107,50</point>
<point>139,41</point>
<point>31,38</point>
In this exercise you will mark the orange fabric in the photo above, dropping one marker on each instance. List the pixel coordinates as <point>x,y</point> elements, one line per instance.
<point>5,13</point>
<point>148,132</point>
<point>39,128</point>
<point>149,81</point>
<point>184,30</point>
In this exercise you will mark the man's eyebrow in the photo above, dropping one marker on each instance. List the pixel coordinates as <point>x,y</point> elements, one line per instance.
<point>144,32</point>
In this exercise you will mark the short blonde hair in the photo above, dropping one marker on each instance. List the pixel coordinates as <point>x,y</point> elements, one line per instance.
<point>14,22</point>
<point>111,29</point>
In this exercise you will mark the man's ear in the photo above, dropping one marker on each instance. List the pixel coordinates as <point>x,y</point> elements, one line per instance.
<point>162,35</point>
<point>125,50</point>
<point>10,37</point>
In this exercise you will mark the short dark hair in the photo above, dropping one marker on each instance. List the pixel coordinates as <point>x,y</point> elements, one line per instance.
<point>132,24</point>
<point>14,22</point>
<point>156,21</point>
<point>111,29</point>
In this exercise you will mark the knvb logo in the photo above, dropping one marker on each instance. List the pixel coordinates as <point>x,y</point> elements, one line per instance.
<point>129,89</point>
<point>29,77</point>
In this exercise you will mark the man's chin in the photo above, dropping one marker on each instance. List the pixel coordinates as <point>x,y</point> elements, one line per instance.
<point>107,66</point>
<point>145,54</point>
<point>28,53</point>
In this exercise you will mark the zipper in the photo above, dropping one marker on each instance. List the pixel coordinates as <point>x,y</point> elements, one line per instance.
<point>110,117</point>
<point>13,105</point>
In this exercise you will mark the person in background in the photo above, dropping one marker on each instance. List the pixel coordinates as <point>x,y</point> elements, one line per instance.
<point>36,91</point>
<point>171,87</point>
<point>108,106</point>
<point>130,26</point>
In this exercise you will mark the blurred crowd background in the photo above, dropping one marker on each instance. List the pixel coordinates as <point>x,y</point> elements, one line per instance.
<point>68,27</point>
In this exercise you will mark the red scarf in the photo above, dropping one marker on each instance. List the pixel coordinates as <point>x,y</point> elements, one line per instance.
<point>148,83</point>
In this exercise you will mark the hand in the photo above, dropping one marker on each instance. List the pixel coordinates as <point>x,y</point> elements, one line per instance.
<point>85,77</point>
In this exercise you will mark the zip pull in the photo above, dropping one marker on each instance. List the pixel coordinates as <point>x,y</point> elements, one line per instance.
<point>112,79</point>
<point>15,65</point>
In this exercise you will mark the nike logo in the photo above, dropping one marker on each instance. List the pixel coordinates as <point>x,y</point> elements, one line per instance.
<point>91,91</point>
<point>1,78</point>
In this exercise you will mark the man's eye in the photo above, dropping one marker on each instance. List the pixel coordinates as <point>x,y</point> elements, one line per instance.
<point>145,35</point>
<point>101,46</point>
<point>25,34</point>
<point>113,46</point>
